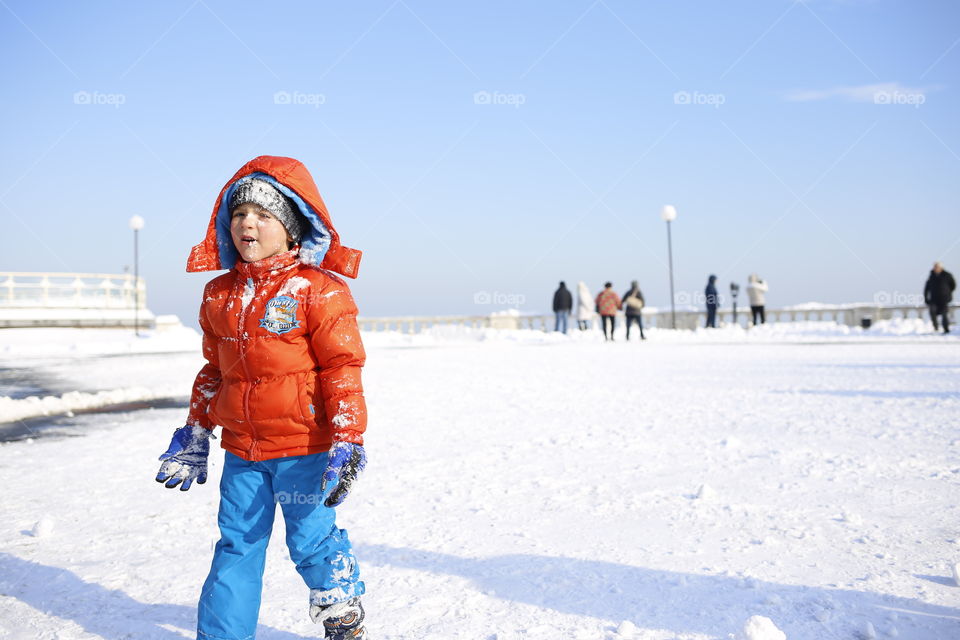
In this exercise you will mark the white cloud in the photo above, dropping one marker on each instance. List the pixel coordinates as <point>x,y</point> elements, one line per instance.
<point>881,93</point>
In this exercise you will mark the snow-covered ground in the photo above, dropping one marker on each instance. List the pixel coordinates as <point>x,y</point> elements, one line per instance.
<point>530,486</point>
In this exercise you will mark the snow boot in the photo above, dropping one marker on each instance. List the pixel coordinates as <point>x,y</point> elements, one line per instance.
<point>341,621</point>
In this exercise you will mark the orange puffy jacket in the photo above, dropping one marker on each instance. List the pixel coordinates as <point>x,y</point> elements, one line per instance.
<point>280,334</point>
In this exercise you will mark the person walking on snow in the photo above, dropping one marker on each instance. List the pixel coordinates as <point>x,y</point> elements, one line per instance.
<point>608,303</point>
<point>585,306</point>
<point>713,301</point>
<point>282,377</point>
<point>937,293</point>
<point>633,303</point>
<point>757,293</point>
<point>562,305</point>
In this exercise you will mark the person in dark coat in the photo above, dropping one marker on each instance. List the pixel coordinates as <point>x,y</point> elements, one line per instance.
<point>713,301</point>
<point>937,293</point>
<point>633,304</point>
<point>562,305</point>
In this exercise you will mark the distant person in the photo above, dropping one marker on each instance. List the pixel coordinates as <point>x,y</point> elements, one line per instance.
<point>608,303</point>
<point>633,305</point>
<point>562,306</point>
<point>757,292</point>
<point>937,293</point>
<point>713,301</point>
<point>584,306</point>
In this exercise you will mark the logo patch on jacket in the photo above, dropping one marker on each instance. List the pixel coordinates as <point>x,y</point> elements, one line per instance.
<point>280,315</point>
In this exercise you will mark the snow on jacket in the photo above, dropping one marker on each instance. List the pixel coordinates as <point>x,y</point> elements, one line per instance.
<point>280,334</point>
<point>585,304</point>
<point>608,302</point>
<point>756,291</point>
<point>939,288</point>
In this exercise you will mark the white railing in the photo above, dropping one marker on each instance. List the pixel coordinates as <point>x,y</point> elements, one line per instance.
<point>848,315</point>
<point>71,291</point>
<point>73,300</point>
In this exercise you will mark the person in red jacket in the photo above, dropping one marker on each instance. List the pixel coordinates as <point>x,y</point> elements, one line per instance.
<point>282,378</point>
<point>608,303</point>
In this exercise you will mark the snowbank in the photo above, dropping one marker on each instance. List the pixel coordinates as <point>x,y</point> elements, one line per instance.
<point>86,364</point>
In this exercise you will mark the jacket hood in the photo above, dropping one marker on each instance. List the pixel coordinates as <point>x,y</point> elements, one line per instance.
<point>320,245</point>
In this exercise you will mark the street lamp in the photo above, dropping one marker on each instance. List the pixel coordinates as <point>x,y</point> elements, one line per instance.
<point>136,223</point>
<point>669,214</point>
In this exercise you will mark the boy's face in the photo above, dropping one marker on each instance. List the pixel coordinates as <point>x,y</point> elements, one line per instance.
<point>256,233</point>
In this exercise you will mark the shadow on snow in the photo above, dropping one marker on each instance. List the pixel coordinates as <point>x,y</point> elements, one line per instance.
<point>108,613</point>
<point>674,601</point>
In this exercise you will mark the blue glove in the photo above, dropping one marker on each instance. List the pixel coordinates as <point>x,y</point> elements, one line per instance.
<point>344,463</point>
<point>186,459</point>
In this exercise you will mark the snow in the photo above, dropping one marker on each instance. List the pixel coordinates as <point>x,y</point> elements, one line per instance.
<point>761,628</point>
<point>533,486</point>
<point>249,290</point>
<point>57,356</point>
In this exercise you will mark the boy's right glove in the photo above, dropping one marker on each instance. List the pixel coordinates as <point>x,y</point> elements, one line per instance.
<point>186,459</point>
<point>344,463</point>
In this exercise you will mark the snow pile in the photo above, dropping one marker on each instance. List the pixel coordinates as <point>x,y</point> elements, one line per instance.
<point>53,372</point>
<point>75,401</point>
<point>43,527</point>
<point>761,628</point>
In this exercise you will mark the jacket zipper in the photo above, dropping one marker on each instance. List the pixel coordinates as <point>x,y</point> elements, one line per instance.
<point>254,450</point>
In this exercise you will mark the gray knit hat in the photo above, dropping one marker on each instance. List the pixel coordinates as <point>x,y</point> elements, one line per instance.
<point>262,193</point>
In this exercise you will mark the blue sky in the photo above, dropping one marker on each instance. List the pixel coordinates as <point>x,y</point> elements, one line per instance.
<point>497,146</point>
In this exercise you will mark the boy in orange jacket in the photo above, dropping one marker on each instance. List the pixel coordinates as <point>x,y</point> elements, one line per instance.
<point>282,378</point>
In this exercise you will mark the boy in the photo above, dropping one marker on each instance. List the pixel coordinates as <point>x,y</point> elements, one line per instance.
<point>282,378</point>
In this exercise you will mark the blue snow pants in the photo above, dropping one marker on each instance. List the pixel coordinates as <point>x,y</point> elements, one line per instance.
<point>249,493</point>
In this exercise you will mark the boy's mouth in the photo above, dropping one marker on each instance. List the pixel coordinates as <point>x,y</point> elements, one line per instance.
<point>247,239</point>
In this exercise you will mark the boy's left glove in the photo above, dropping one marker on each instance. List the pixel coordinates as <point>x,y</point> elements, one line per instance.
<point>344,463</point>
<point>186,459</point>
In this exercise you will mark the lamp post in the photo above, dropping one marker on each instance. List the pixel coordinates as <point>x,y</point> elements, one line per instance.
<point>136,223</point>
<point>669,214</point>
